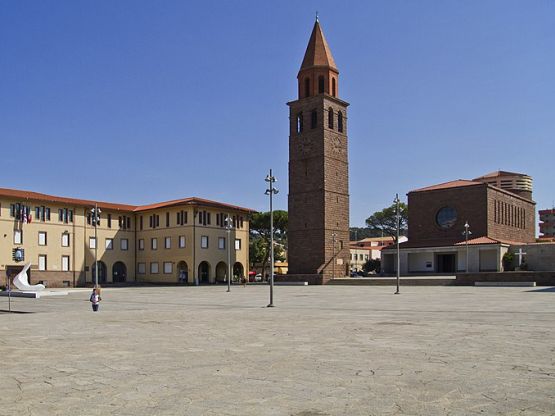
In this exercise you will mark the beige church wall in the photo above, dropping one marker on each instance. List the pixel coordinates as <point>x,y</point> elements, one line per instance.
<point>488,260</point>
<point>539,256</point>
<point>418,262</point>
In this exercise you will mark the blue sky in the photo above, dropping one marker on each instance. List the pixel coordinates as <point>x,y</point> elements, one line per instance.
<point>138,102</point>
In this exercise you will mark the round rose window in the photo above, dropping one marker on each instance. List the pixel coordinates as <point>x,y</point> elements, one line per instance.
<point>446,217</point>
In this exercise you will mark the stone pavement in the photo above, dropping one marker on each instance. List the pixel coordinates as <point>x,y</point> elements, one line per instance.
<point>332,350</point>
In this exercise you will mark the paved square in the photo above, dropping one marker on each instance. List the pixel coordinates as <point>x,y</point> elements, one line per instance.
<point>329,350</point>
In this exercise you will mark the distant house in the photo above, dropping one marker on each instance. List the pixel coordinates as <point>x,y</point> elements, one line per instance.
<point>368,248</point>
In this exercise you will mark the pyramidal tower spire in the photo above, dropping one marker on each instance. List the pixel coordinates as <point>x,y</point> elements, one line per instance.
<point>318,73</point>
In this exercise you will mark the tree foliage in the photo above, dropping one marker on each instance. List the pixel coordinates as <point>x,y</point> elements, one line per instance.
<point>260,238</point>
<point>359,233</point>
<point>385,221</point>
<point>372,265</point>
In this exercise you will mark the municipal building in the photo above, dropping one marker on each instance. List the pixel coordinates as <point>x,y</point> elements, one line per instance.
<point>182,240</point>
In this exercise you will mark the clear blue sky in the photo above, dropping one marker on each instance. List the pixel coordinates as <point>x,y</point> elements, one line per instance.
<point>138,102</point>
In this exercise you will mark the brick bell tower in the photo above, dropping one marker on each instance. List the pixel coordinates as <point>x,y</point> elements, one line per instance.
<point>318,233</point>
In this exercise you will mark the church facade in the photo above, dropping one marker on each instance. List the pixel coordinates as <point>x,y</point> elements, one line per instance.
<point>318,201</point>
<point>462,226</point>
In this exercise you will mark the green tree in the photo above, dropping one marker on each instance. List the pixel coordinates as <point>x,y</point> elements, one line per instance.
<point>372,265</point>
<point>385,221</point>
<point>259,244</point>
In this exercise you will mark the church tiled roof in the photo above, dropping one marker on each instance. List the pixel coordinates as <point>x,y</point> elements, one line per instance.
<point>318,52</point>
<point>451,184</point>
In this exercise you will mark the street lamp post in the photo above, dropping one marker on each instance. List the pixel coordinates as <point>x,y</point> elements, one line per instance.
<point>334,238</point>
<point>228,227</point>
<point>398,221</point>
<point>271,191</point>
<point>95,219</point>
<point>466,233</point>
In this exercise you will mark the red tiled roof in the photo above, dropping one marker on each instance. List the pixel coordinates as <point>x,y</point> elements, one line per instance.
<point>369,248</point>
<point>478,240</point>
<point>318,52</point>
<point>451,184</point>
<point>438,243</point>
<point>498,173</point>
<point>191,201</point>
<point>35,196</point>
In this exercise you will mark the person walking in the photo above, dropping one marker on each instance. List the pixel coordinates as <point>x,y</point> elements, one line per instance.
<point>95,299</point>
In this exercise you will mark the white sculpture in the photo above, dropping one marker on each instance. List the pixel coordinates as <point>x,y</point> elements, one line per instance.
<point>21,281</point>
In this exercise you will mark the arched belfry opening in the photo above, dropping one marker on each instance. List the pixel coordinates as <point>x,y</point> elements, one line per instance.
<point>321,84</point>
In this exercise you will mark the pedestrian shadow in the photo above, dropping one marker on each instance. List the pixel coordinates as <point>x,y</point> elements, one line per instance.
<point>547,289</point>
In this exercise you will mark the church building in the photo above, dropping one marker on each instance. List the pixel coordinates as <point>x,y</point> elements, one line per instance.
<point>464,226</point>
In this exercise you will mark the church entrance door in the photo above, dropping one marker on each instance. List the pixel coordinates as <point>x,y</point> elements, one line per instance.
<point>446,263</point>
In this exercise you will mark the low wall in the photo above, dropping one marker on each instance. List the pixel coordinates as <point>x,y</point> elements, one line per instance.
<point>54,278</point>
<point>541,278</point>
<point>312,279</point>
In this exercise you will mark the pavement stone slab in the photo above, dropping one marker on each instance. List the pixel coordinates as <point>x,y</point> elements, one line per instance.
<point>322,351</point>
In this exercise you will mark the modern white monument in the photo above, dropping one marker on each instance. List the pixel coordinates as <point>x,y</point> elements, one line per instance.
<point>21,281</point>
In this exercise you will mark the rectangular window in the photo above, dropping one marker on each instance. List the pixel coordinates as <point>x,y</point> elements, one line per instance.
<point>237,244</point>
<point>60,215</point>
<point>17,236</point>
<point>109,220</point>
<point>168,267</point>
<point>221,243</point>
<point>151,221</point>
<point>92,242</point>
<point>42,262</point>
<point>208,218</point>
<point>157,220</point>
<point>65,240</point>
<point>204,241</point>
<point>181,241</point>
<point>109,244</point>
<point>154,268</point>
<point>47,214</point>
<point>42,238</point>
<point>167,242</point>
<point>154,244</point>
<point>141,268</point>
<point>185,217</point>
<point>167,219</point>
<point>65,263</point>
<point>141,222</point>
<point>141,244</point>
<point>124,244</point>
